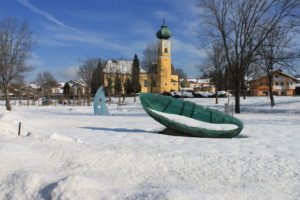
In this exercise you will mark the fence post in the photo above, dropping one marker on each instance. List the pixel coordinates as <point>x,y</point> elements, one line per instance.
<point>19,131</point>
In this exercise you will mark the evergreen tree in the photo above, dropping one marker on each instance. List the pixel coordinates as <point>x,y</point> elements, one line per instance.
<point>67,92</point>
<point>136,86</point>
<point>98,77</point>
<point>128,86</point>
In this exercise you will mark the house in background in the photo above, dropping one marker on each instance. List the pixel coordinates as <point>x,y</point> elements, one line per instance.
<point>297,90</point>
<point>283,85</point>
<point>59,89</point>
<point>197,84</point>
<point>75,87</point>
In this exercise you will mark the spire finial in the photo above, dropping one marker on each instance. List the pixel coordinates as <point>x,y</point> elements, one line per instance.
<point>164,22</point>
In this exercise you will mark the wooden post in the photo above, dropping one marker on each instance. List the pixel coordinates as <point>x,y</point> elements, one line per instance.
<point>19,132</point>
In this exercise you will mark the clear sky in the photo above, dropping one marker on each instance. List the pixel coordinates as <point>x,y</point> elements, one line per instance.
<point>69,30</point>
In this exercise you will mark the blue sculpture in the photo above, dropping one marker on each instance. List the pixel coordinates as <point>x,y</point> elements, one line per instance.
<point>100,107</point>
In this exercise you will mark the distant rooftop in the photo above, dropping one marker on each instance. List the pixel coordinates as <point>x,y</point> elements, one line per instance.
<point>121,66</point>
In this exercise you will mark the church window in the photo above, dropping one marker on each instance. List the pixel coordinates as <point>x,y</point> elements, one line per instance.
<point>166,50</point>
<point>145,83</point>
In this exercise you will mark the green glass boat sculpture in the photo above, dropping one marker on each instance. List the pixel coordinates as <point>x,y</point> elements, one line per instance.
<point>189,118</point>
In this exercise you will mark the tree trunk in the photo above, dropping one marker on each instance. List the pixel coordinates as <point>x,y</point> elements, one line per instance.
<point>109,96</point>
<point>119,94</point>
<point>217,88</point>
<point>270,81</point>
<point>134,93</point>
<point>124,97</point>
<point>88,99</point>
<point>244,89</point>
<point>237,95</point>
<point>7,100</point>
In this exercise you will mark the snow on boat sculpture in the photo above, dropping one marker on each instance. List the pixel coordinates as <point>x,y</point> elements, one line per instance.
<point>189,118</point>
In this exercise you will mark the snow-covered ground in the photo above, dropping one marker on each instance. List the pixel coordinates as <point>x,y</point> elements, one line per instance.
<point>68,153</point>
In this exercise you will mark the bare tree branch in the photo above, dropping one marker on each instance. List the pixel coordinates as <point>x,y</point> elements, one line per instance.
<point>16,43</point>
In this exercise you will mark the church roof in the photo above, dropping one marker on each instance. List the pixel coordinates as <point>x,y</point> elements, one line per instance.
<point>121,66</point>
<point>164,32</point>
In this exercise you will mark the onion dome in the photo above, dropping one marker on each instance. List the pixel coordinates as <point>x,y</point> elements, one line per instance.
<point>164,32</point>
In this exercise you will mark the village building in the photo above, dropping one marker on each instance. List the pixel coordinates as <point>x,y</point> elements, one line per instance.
<point>197,84</point>
<point>161,78</point>
<point>74,87</point>
<point>283,85</point>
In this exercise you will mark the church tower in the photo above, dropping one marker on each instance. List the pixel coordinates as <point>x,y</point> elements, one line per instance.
<point>164,69</point>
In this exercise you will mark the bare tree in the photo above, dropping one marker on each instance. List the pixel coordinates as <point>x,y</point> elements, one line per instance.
<point>217,61</point>
<point>181,73</point>
<point>16,43</point>
<point>150,55</point>
<point>109,79</point>
<point>149,62</point>
<point>18,83</point>
<point>85,72</point>
<point>243,26</point>
<point>276,51</point>
<point>118,85</point>
<point>46,81</point>
<point>124,80</point>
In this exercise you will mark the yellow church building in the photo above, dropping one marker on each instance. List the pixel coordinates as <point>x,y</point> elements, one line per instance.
<point>161,78</point>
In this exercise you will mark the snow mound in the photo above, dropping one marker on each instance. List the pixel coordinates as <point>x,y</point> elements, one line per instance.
<point>195,123</point>
<point>9,124</point>
<point>20,185</point>
<point>7,129</point>
<point>56,136</point>
<point>73,187</point>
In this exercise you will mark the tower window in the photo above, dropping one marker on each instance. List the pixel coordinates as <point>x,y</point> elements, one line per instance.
<point>145,83</point>
<point>166,50</point>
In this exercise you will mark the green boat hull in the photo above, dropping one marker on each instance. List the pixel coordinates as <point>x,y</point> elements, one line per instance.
<point>189,109</point>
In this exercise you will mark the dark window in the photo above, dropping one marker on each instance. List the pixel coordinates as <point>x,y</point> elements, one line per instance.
<point>281,83</point>
<point>276,83</point>
<point>166,50</point>
<point>145,83</point>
